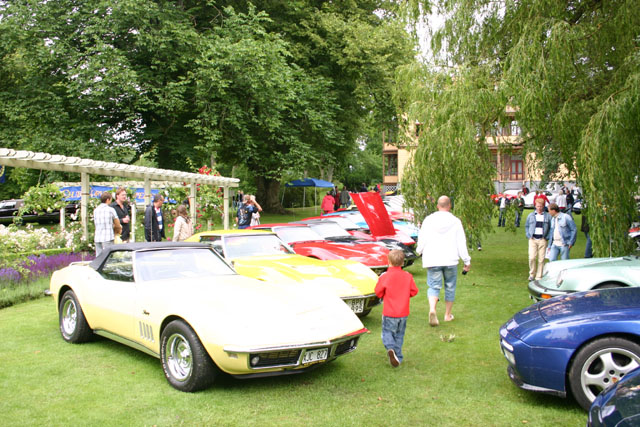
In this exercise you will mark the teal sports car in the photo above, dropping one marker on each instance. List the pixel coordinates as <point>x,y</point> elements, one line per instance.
<point>575,275</point>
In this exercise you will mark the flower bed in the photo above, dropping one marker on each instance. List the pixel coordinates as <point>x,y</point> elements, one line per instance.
<point>28,255</point>
<point>36,266</point>
<point>14,240</point>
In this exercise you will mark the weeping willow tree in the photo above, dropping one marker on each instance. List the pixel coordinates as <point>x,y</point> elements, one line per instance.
<point>451,157</point>
<point>571,68</point>
<point>610,166</point>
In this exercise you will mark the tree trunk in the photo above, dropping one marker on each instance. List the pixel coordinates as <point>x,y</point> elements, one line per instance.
<point>268,191</point>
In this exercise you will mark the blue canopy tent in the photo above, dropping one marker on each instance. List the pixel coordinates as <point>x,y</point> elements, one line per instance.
<point>308,182</point>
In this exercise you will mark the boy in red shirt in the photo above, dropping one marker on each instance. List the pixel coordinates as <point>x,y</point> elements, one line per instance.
<point>395,287</point>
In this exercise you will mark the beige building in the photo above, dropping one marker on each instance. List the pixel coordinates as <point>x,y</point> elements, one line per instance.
<point>512,168</point>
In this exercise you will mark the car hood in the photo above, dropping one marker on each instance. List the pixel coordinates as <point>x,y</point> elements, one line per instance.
<point>374,212</point>
<point>342,277</point>
<point>595,303</point>
<point>625,261</point>
<point>256,313</point>
<point>525,320</point>
<point>556,315</point>
<point>366,253</point>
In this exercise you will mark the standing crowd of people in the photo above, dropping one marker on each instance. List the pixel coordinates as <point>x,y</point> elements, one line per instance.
<point>112,220</point>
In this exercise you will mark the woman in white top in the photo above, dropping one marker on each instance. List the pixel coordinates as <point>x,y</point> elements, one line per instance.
<point>182,228</point>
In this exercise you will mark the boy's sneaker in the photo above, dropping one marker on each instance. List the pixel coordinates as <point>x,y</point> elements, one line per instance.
<point>393,359</point>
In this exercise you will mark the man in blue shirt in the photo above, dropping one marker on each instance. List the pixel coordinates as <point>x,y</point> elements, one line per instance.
<point>563,233</point>
<point>246,209</point>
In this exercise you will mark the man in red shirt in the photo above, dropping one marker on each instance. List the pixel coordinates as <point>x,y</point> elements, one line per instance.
<point>395,287</point>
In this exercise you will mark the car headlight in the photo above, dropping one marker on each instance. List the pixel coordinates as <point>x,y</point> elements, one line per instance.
<point>507,351</point>
<point>560,277</point>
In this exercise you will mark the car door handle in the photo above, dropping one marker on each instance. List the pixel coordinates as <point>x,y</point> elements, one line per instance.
<point>145,312</point>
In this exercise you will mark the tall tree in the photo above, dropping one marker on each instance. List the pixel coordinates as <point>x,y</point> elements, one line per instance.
<point>571,68</point>
<point>180,80</point>
<point>451,157</point>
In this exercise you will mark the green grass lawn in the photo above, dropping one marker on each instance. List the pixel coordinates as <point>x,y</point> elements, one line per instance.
<point>45,381</point>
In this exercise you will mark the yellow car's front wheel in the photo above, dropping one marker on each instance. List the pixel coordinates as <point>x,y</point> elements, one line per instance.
<point>73,325</point>
<point>186,364</point>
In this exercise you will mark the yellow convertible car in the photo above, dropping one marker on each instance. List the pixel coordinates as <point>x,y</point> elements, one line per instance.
<point>262,255</point>
<point>182,303</point>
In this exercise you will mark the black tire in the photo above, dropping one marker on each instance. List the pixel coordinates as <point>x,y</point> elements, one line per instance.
<point>185,362</point>
<point>592,369</point>
<point>73,325</point>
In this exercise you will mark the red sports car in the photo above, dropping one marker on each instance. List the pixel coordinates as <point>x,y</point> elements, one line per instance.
<point>346,223</point>
<point>332,229</point>
<point>307,242</point>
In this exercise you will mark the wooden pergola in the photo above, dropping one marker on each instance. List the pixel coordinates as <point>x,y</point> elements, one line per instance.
<point>87,167</point>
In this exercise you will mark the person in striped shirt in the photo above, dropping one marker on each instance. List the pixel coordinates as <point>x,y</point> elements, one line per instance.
<point>538,231</point>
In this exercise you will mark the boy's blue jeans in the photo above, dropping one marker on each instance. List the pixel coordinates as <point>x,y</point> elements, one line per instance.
<point>393,334</point>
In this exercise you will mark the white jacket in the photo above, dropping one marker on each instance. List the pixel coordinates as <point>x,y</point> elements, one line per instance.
<point>441,241</point>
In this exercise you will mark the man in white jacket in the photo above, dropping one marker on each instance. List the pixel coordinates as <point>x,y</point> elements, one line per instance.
<point>442,242</point>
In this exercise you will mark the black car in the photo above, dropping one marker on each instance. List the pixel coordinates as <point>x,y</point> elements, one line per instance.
<point>9,209</point>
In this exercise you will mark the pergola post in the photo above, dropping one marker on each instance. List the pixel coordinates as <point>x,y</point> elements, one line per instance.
<point>132,225</point>
<point>192,203</point>
<point>62,218</point>
<point>226,207</point>
<point>84,204</point>
<point>147,193</point>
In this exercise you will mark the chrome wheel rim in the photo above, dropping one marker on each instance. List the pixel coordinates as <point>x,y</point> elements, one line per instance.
<point>179,357</point>
<point>606,367</point>
<point>69,317</point>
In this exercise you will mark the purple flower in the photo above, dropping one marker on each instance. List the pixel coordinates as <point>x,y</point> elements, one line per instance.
<point>9,275</point>
<point>41,265</point>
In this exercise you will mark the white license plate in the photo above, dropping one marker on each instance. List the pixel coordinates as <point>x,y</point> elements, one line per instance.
<point>315,355</point>
<point>356,305</point>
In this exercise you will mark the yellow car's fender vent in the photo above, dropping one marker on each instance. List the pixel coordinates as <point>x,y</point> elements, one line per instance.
<point>274,358</point>
<point>146,332</point>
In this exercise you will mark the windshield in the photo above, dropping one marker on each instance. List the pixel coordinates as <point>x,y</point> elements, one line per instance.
<point>268,244</point>
<point>297,234</point>
<point>329,229</point>
<point>356,218</point>
<point>179,263</point>
<point>344,222</point>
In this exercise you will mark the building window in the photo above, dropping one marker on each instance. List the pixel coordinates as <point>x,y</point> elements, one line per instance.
<point>515,129</point>
<point>517,173</point>
<point>390,165</point>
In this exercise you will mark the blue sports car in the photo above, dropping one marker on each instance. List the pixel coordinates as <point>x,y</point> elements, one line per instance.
<point>581,342</point>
